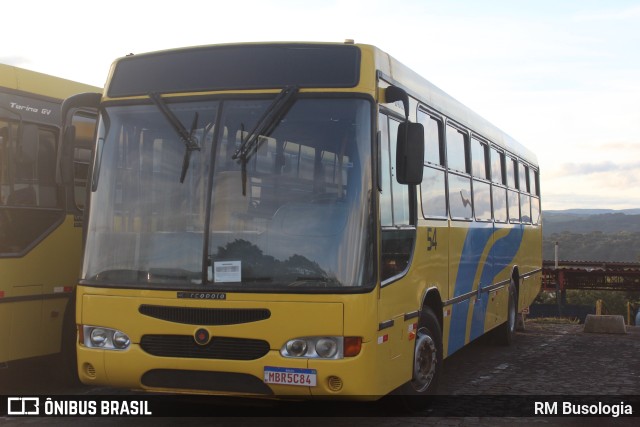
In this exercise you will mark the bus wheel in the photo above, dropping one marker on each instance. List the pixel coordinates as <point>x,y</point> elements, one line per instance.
<point>507,331</point>
<point>427,362</point>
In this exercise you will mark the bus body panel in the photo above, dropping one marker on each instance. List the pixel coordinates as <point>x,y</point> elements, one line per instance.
<point>291,316</point>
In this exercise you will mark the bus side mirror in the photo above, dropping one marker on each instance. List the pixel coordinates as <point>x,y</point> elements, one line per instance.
<point>410,153</point>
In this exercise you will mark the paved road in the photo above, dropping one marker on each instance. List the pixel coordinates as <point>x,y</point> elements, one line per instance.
<point>549,360</point>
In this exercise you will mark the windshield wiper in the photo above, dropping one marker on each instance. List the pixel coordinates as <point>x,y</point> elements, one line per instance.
<point>264,127</point>
<point>190,141</point>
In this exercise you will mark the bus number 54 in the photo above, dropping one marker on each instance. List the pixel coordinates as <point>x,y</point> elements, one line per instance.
<point>432,238</point>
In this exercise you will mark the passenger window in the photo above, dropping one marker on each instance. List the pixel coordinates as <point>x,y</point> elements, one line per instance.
<point>478,156</point>
<point>433,191</point>
<point>433,188</point>
<point>535,210</point>
<point>29,205</point>
<point>432,142</point>
<point>460,196</point>
<point>514,206</point>
<point>499,204</point>
<point>482,200</point>
<point>533,182</point>
<point>511,173</point>
<point>522,180</point>
<point>456,150</point>
<point>497,166</point>
<point>525,208</point>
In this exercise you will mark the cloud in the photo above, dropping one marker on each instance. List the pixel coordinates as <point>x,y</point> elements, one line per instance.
<point>609,15</point>
<point>566,200</point>
<point>603,184</point>
<point>617,170</point>
<point>15,60</point>
<point>625,147</point>
<point>589,168</point>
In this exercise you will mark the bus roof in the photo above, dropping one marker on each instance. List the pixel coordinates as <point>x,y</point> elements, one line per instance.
<point>41,84</point>
<point>336,65</point>
<point>435,98</point>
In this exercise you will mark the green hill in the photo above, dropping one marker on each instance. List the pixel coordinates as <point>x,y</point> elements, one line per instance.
<point>592,235</point>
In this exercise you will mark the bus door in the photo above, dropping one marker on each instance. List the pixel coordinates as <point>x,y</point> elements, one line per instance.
<point>398,236</point>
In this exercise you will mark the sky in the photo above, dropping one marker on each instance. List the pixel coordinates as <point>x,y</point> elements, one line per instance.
<point>560,76</point>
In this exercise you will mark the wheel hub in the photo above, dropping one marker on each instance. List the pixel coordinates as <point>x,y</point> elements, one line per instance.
<point>424,362</point>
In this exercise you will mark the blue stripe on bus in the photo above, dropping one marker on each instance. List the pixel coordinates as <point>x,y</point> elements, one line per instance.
<point>500,256</point>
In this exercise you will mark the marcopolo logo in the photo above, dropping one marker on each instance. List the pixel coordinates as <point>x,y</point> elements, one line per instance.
<point>23,406</point>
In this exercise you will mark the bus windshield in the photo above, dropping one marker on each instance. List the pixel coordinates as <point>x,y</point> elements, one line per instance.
<point>292,215</point>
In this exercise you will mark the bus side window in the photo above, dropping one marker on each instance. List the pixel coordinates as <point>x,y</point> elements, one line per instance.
<point>499,193</point>
<point>433,189</point>
<point>513,197</point>
<point>481,186</point>
<point>535,196</point>
<point>525,199</point>
<point>397,237</point>
<point>460,203</point>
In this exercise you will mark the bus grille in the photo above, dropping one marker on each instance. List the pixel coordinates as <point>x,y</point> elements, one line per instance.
<point>205,316</point>
<point>206,381</point>
<point>218,348</point>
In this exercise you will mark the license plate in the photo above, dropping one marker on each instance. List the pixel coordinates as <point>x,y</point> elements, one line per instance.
<point>290,376</point>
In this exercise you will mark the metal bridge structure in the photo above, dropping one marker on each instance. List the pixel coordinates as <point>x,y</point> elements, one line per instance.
<point>590,275</point>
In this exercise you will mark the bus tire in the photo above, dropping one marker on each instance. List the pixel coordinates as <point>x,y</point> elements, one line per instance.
<point>507,331</point>
<point>426,362</point>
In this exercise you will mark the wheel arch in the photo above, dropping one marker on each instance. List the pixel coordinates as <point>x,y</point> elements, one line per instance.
<point>515,277</point>
<point>433,300</point>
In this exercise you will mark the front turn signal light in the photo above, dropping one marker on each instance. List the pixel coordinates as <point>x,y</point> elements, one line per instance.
<point>352,346</point>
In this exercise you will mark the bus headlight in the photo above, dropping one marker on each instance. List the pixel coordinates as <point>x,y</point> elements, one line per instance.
<point>296,348</point>
<point>121,340</point>
<point>326,348</point>
<point>104,338</point>
<point>98,337</point>
<point>316,348</point>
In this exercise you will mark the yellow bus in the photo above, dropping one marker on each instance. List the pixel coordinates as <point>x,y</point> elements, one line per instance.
<point>40,213</point>
<point>294,219</point>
